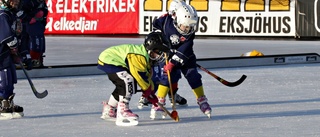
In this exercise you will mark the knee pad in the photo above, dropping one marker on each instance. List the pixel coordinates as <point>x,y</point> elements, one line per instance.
<point>128,81</point>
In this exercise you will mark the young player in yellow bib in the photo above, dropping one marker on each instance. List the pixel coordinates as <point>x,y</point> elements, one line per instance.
<point>125,66</point>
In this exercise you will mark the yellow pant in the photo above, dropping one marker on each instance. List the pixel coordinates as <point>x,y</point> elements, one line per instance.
<point>163,91</point>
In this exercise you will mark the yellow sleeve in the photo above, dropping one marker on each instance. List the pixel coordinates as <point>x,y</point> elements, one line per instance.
<point>140,70</point>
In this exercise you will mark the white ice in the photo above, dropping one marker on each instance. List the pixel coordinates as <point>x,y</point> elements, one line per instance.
<point>274,101</point>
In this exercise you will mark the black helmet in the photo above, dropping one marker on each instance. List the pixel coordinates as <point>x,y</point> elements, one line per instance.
<point>155,42</point>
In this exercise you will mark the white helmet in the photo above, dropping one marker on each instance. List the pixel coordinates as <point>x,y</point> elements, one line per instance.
<point>186,15</point>
<point>174,6</point>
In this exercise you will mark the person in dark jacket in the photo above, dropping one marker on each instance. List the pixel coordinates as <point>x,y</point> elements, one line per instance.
<point>8,57</point>
<point>33,17</point>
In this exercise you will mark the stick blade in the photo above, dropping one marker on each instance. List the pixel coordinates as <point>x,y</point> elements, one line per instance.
<point>174,115</point>
<point>236,83</point>
<point>41,95</point>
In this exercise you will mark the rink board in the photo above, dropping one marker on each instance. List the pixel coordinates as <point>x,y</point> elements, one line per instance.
<point>227,62</point>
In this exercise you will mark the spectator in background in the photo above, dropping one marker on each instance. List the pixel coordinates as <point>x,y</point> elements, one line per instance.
<point>34,19</point>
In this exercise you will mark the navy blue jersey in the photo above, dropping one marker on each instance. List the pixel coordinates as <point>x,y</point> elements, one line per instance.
<point>182,55</point>
<point>31,7</point>
<point>7,37</point>
<point>183,44</point>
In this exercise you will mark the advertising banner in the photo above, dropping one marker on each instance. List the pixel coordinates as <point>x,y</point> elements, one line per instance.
<point>93,17</point>
<point>151,9</point>
<point>255,17</point>
<point>230,17</point>
<point>216,17</point>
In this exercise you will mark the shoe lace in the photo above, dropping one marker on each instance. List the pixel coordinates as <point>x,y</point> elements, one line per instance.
<point>125,107</point>
<point>202,100</point>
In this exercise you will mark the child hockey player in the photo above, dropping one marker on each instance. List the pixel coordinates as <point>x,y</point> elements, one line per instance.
<point>8,58</point>
<point>157,68</point>
<point>180,31</point>
<point>125,65</point>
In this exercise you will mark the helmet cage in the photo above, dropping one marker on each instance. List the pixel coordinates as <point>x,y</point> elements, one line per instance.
<point>154,43</point>
<point>160,57</point>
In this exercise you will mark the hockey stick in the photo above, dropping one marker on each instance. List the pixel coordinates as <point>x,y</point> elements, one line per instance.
<point>227,83</point>
<point>36,93</point>
<point>174,114</point>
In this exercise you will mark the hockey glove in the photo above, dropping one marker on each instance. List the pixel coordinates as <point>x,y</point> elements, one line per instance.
<point>14,54</point>
<point>153,99</point>
<point>28,63</point>
<point>149,94</point>
<point>167,67</point>
<point>37,17</point>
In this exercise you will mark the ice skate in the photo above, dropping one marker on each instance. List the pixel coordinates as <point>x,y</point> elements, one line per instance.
<point>8,110</point>
<point>157,112</point>
<point>17,111</point>
<point>180,101</point>
<point>37,63</point>
<point>204,106</point>
<point>5,111</point>
<point>143,103</point>
<point>108,112</point>
<point>125,117</point>
<point>13,113</point>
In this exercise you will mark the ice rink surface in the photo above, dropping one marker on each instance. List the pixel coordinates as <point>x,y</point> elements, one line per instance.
<point>274,101</point>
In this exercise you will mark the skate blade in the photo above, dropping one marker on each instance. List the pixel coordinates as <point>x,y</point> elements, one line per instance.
<point>140,106</point>
<point>127,122</point>
<point>6,116</point>
<point>16,115</point>
<point>157,115</point>
<point>108,118</point>
<point>208,114</point>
